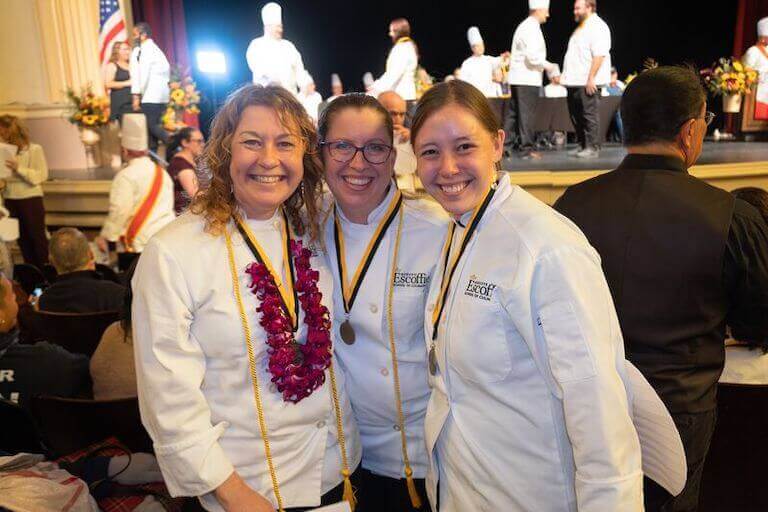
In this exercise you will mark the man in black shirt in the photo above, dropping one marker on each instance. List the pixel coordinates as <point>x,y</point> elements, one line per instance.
<point>78,287</point>
<point>683,259</point>
<point>39,369</point>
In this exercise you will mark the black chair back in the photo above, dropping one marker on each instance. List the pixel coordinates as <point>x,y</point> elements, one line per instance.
<point>77,332</point>
<point>29,277</point>
<point>70,424</point>
<point>734,471</point>
<point>107,273</point>
<point>18,432</point>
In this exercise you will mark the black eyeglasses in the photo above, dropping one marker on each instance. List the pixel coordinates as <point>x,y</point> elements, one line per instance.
<point>344,151</point>
<point>708,117</point>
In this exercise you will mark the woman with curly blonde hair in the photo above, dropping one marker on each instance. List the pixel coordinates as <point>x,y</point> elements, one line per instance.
<point>231,321</point>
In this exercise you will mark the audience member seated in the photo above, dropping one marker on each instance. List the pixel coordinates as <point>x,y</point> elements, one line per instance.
<point>78,287</point>
<point>747,362</point>
<point>405,159</point>
<point>112,368</point>
<point>39,369</point>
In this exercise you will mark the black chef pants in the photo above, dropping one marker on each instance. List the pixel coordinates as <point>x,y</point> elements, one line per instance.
<point>383,494</point>
<point>154,113</point>
<point>585,115</point>
<point>696,433</point>
<point>525,98</point>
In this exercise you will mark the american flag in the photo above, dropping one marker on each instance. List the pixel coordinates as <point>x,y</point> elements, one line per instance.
<point>111,28</point>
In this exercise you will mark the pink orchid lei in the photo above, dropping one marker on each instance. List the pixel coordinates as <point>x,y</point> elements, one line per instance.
<point>297,369</point>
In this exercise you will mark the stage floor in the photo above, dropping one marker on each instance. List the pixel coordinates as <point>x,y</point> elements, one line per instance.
<point>612,154</point>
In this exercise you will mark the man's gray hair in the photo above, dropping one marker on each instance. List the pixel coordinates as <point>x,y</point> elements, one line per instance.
<point>69,250</point>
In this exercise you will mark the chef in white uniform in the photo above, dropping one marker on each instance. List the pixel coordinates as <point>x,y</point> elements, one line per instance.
<point>481,70</point>
<point>337,88</point>
<point>529,409</point>
<point>403,59</point>
<point>272,59</point>
<point>141,194</point>
<point>311,99</point>
<point>757,58</point>
<point>224,427</point>
<point>527,62</point>
<point>382,249</point>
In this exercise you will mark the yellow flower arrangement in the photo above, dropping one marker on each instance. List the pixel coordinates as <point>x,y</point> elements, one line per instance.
<point>729,77</point>
<point>88,110</point>
<point>184,95</point>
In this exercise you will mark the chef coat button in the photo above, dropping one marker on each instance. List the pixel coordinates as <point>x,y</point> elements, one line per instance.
<point>373,308</point>
<point>396,427</point>
<point>321,424</point>
<point>384,372</point>
<point>276,223</point>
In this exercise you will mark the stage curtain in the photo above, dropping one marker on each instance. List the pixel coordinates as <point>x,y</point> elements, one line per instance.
<point>745,32</point>
<point>169,30</point>
<point>69,32</point>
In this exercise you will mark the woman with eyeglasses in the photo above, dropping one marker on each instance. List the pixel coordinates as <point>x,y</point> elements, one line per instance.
<point>529,407</point>
<point>382,249</point>
<point>185,148</point>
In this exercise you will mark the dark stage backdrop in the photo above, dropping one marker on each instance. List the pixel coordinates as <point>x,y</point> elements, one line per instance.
<point>351,37</point>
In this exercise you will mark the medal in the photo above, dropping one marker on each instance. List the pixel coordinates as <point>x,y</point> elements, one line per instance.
<point>347,332</point>
<point>432,360</point>
<point>350,287</point>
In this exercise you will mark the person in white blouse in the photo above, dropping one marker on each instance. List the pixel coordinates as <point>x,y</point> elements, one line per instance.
<point>527,61</point>
<point>382,249</point>
<point>23,192</point>
<point>239,423</point>
<point>150,73</point>
<point>140,197</point>
<point>311,99</point>
<point>272,59</point>
<point>756,57</point>
<point>529,408</point>
<point>403,59</point>
<point>481,70</point>
<point>586,68</point>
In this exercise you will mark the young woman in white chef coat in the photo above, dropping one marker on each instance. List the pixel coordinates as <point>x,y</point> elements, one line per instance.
<point>402,61</point>
<point>529,410</point>
<point>235,422</point>
<point>382,250</point>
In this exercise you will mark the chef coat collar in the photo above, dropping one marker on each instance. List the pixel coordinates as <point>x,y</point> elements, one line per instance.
<point>375,216</point>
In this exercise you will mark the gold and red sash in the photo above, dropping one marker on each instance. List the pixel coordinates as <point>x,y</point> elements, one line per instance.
<point>144,210</point>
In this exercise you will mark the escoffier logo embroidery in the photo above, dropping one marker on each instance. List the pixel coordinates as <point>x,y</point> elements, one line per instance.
<point>411,279</point>
<point>479,289</point>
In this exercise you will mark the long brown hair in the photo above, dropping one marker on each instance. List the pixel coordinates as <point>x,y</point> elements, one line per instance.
<point>216,201</point>
<point>113,58</point>
<point>17,133</point>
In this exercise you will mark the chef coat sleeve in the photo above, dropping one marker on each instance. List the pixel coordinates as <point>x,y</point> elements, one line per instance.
<point>535,51</point>
<point>578,336</point>
<point>751,58</point>
<point>139,75</point>
<point>120,208</point>
<point>600,44</point>
<point>303,78</point>
<point>395,69</point>
<point>170,368</point>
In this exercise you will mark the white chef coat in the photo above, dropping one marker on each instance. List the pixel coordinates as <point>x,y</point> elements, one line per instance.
<point>591,39</point>
<point>478,71</point>
<point>194,384</point>
<point>405,165</point>
<point>367,363</point>
<point>529,410</point>
<point>528,56</point>
<point>276,61</point>
<point>129,188</point>
<point>400,73</point>
<point>150,73</point>
<point>311,104</point>
<point>755,59</point>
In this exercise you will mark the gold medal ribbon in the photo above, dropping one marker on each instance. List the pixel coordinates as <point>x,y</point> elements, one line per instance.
<point>448,270</point>
<point>349,290</point>
<point>287,290</point>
